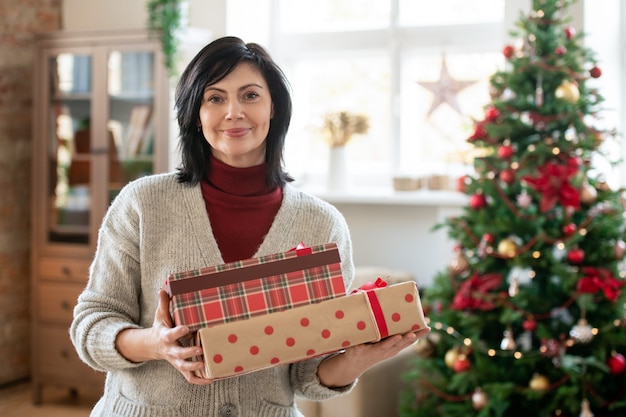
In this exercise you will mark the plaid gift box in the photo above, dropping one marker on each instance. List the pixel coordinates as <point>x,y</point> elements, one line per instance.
<point>243,289</point>
<point>307,331</point>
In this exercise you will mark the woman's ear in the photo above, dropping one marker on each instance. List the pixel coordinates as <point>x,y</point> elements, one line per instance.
<point>272,113</point>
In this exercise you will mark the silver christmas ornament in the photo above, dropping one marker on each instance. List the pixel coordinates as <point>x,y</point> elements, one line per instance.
<point>585,409</point>
<point>508,342</point>
<point>582,332</point>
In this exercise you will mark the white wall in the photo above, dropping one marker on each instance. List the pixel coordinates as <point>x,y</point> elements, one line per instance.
<point>399,237</point>
<point>78,15</point>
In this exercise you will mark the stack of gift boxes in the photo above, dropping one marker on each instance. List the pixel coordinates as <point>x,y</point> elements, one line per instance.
<point>286,307</point>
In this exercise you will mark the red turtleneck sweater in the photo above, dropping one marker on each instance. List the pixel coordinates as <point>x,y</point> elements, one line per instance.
<point>241,208</point>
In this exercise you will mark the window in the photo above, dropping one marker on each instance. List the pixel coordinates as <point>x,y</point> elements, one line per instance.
<point>418,69</point>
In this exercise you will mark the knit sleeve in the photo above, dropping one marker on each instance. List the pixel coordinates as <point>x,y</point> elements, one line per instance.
<point>308,385</point>
<point>110,301</point>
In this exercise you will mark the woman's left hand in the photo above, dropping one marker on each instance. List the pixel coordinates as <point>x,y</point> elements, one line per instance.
<point>341,370</point>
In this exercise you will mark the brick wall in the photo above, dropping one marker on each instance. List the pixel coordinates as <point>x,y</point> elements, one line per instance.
<point>19,21</point>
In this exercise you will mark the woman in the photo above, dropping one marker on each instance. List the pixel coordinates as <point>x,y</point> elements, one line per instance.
<point>230,200</point>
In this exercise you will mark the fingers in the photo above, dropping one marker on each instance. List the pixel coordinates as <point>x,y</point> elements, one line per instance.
<point>187,360</point>
<point>193,379</point>
<point>163,310</point>
<point>175,333</point>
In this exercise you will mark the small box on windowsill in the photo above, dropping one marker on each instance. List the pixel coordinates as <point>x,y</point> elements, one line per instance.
<point>407,183</point>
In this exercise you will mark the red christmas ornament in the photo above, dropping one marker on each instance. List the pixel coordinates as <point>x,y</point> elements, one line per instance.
<point>491,114</point>
<point>616,363</point>
<point>570,32</point>
<point>508,51</point>
<point>529,325</point>
<point>595,72</point>
<point>569,229</point>
<point>505,151</point>
<point>462,364</point>
<point>488,237</point>
<point>507,175</point>
<point>477,201</point>
<point>560,50</point>
<point>576,256</point>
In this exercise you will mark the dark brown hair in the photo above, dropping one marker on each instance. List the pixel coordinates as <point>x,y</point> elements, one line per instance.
<point>214,62</point>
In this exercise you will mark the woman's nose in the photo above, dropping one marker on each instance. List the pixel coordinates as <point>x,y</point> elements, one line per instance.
<point>235,111</point>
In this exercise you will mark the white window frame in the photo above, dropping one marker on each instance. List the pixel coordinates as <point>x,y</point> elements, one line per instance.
<point>486,37</point>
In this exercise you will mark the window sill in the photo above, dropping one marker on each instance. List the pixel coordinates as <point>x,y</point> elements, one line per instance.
<point>390,197</point>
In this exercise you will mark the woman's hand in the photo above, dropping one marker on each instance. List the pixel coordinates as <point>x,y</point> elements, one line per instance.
<point>161,342</point>
<point>341,370</point>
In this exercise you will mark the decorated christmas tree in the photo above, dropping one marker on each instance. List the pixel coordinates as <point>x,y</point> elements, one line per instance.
<point>529,318</point>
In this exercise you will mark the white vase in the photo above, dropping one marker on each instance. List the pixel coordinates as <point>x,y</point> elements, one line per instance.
<point>338,178</point>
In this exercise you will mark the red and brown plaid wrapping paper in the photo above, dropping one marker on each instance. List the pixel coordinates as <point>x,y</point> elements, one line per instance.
<point>304,332</point>
<point>267,284</point>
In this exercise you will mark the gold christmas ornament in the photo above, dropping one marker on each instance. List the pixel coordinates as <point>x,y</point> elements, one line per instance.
<point>451,357</point>
<point>598,138</point>
<point>507,248</point>
<point>588,193</point>
<point>603,186</point>
<point>458,264</point>
<point>567,91</point>
<point>539,383</point>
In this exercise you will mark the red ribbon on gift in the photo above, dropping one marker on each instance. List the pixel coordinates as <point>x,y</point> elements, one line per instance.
<point>377,309</point>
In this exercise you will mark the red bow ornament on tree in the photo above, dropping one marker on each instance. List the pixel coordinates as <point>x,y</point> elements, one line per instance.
<point>554,186</point>
<point>474,292</point>
<point>597,279</point>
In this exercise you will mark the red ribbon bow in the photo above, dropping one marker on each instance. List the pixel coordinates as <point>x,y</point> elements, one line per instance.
<point>369,286</point>
<point>597,279</point>
<point>377,309</point>
<point>554,186</point>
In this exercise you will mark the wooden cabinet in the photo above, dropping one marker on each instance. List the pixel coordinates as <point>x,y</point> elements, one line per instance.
<point>101,106</point>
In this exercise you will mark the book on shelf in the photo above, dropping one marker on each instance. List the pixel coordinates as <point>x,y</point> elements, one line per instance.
<point>137,129</point>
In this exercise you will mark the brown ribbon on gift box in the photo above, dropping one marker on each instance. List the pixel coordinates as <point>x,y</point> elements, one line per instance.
<point>234,276</point>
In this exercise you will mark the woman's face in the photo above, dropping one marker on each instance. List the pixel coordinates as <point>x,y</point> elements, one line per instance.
<point>235,115</point>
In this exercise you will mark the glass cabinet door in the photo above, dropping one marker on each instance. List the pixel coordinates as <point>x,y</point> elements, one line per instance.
<point>101,134</point>
<point>69,154</point>
<point>130,128</point>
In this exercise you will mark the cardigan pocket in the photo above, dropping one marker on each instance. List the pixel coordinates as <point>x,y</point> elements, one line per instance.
<point>273,410</point>
<point>125,407</point>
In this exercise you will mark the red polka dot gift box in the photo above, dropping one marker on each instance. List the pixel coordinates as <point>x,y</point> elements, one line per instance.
<point>256,286</point>
<point>366,315</point>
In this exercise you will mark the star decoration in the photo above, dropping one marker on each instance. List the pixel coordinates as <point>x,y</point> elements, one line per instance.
<point>446,89</point>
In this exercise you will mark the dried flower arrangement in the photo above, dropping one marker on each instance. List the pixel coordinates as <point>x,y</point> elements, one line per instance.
<point>340,126</point>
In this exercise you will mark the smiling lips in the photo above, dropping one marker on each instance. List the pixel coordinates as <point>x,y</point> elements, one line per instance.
<point>236,132</point>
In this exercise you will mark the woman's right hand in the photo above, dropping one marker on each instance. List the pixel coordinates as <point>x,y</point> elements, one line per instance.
<point>185,359</point>
<point>161,342</point>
